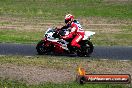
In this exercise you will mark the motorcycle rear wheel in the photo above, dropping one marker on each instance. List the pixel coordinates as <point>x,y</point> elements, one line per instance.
<point>86,49</point>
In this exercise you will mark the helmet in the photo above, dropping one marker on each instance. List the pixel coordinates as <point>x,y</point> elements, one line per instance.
<point>68,18</point>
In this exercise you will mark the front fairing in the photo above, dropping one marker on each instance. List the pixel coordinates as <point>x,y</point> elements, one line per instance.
<point>49,33</point>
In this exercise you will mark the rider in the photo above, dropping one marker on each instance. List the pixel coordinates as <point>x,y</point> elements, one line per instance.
<point>76,30</point>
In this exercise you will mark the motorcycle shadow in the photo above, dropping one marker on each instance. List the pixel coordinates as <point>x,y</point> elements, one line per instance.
<point>62,54</point>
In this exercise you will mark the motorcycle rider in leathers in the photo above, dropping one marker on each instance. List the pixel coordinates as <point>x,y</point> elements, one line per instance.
<point>76,31</point>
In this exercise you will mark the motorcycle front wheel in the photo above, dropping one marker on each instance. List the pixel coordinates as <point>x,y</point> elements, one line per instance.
<point>41,48</point>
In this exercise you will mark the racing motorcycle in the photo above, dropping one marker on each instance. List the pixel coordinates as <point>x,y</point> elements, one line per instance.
<point>53,43</point>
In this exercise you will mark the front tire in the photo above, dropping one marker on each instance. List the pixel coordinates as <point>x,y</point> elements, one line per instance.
<point>41,48</point>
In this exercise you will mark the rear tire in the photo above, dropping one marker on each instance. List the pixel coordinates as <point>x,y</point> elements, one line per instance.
<point>90,48</point>
<point>86,49</point>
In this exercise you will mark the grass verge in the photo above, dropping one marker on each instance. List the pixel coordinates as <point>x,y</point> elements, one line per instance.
<point>16,84</point>
<point>56,9</point>
<point>14,36</point>
<point>122,38</point>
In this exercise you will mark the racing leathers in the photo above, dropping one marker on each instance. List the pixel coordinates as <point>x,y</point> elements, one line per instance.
<point>76,31</point>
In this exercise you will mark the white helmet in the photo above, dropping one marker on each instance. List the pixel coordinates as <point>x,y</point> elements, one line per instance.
<point>68,18</point>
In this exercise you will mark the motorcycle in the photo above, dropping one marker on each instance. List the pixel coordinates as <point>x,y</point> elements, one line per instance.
<point>52,43</point>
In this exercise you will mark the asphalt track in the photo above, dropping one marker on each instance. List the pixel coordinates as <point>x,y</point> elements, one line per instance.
<point>100,52</point>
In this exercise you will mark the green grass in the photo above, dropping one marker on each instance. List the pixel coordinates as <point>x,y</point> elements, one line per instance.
<point>120,39</point>
<point>55,9</point>
<point>15,84</point>
<point>124,38</point>
<point>64,62</point>
<point>20,36</point>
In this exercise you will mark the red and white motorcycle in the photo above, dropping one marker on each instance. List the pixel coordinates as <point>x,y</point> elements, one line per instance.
<point>52,43</point>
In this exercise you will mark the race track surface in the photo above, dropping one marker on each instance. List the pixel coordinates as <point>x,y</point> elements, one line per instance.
<point>115,52</point>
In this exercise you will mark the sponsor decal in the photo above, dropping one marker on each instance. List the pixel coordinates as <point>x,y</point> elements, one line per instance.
<point>82,78</point>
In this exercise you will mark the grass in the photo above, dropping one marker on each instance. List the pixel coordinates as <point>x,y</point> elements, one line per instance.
<point>56,9</point>
<point>61,63</point>
<point>16,84</point>
<point>123,38</point>
<point>19,36</point>
<point>120,39</point>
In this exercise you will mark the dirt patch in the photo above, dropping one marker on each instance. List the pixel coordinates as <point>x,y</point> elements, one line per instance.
<point>111,67</point>
<point>103,25</point>
<point>35,75</point>
<point>36,24</point>
<point>106,21</point>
